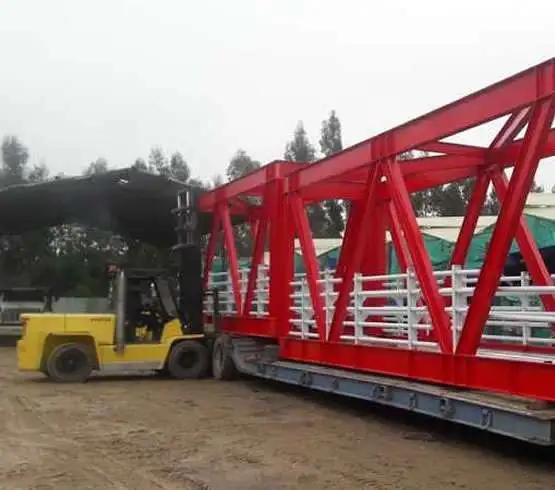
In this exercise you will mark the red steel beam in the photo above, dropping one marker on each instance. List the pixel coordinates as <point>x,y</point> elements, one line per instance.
<point>497,100</point>
<point>453,149</point>
<point>420,258</point>
<point>424,173</point>
<point>257,255</point>
<point>436,163</point>
<point>473,211</point>
<point>232,255</point>
<point>252,183</point>
<point>282,250</point>
<point>527,379</point>
<point>397,238</point>
<point>504,137</point>
<point>506,225</point>
<point>211,248</point>
<point>414,182</point>
<point>511,128</point>
<point>349,238</point>
<point>310,261</point>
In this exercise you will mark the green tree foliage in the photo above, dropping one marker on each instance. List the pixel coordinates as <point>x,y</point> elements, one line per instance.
<point>23,258</point>
<point>330,143</point>
<point>74,258</point>
<point>15,156</point>
<point>240,165</point>
<point>140,165</point>
<point>179,169</point>
<point>71,257</point>
<point>158,162</point>
<point>99,166</point>
<point>299,149</point>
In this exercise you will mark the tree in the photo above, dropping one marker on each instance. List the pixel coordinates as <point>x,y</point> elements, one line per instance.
<point>99,166</point>
<point>179,168</point>
<point>140,165</point>
<point>300,150</point>
<point>23,258</point>
<point>217,181</point>
<point>157,162</point>
<point>491,206</point>
<point>15,156</point>
<point>240,165</point>
<point>330,138</point>
<point>452,199</point>
<point>39,173</point>
<point>536,187</point>
<point>330,143</point>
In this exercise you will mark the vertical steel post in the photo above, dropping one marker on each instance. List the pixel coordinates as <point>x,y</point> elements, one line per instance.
<point>310,261</point>
<point>121,297</point>
<point>211,249</point>
<point>374,260</point>
<point>282,250</point>
<point>258,253</point>
<point>232,255</point>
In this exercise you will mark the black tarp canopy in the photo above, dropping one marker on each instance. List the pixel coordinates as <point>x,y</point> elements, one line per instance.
<point>515,263</point>
<point>128,202</point>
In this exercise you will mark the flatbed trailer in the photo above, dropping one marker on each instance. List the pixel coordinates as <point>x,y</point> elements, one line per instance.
<point>514,417</point>
<point>440,342</point>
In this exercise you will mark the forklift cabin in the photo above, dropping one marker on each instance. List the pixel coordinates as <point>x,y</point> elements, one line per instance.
<point>144,301</point>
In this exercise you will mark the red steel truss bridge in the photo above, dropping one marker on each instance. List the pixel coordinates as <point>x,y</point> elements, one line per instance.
<point>440,342</point>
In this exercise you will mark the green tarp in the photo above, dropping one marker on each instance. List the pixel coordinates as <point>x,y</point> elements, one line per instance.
<point>542,229</point>
<point>439,250</point>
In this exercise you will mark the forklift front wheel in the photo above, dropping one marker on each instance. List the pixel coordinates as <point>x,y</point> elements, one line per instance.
<point>188,360</point>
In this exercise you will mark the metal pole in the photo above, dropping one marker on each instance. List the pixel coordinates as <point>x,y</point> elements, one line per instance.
<point>121,295</point>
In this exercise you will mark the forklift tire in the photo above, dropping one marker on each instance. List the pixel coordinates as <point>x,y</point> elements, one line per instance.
<point>188,360</point>
<point>223,366</point>
<point>69,363</point>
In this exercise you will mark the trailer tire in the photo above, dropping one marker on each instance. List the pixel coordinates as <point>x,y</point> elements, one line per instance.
<point>188,360</point>
<point>69,363</point>
<point>223,366</point>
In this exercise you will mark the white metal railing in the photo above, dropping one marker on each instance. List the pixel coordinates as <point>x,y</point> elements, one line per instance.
<point>390,310</point>
<point>223,283</point>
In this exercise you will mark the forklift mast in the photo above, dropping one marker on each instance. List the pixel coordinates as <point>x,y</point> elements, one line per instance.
<point>189,261</point>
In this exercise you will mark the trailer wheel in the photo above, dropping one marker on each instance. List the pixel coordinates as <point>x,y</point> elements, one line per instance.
<point>187,360</point>
<point>223,366</point>
<point>69,363</point>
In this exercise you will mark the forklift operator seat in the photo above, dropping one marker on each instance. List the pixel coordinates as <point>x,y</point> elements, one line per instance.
<point>166,297</point>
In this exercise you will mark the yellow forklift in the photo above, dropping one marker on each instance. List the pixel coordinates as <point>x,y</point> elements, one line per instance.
<point>155,323</point>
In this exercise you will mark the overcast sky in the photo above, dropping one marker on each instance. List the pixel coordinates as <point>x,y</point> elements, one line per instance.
<point>111,78</point>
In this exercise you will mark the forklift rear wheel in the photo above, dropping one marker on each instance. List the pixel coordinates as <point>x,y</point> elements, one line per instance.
<point>223,367</point>
<point>188,360</point>
<point>69,363</point>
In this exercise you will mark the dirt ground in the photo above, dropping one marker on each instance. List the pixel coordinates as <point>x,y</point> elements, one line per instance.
<point>148,433</point>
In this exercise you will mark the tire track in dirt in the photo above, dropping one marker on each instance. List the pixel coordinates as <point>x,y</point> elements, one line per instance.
<point>92,463</point>
<point>147,433</point>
